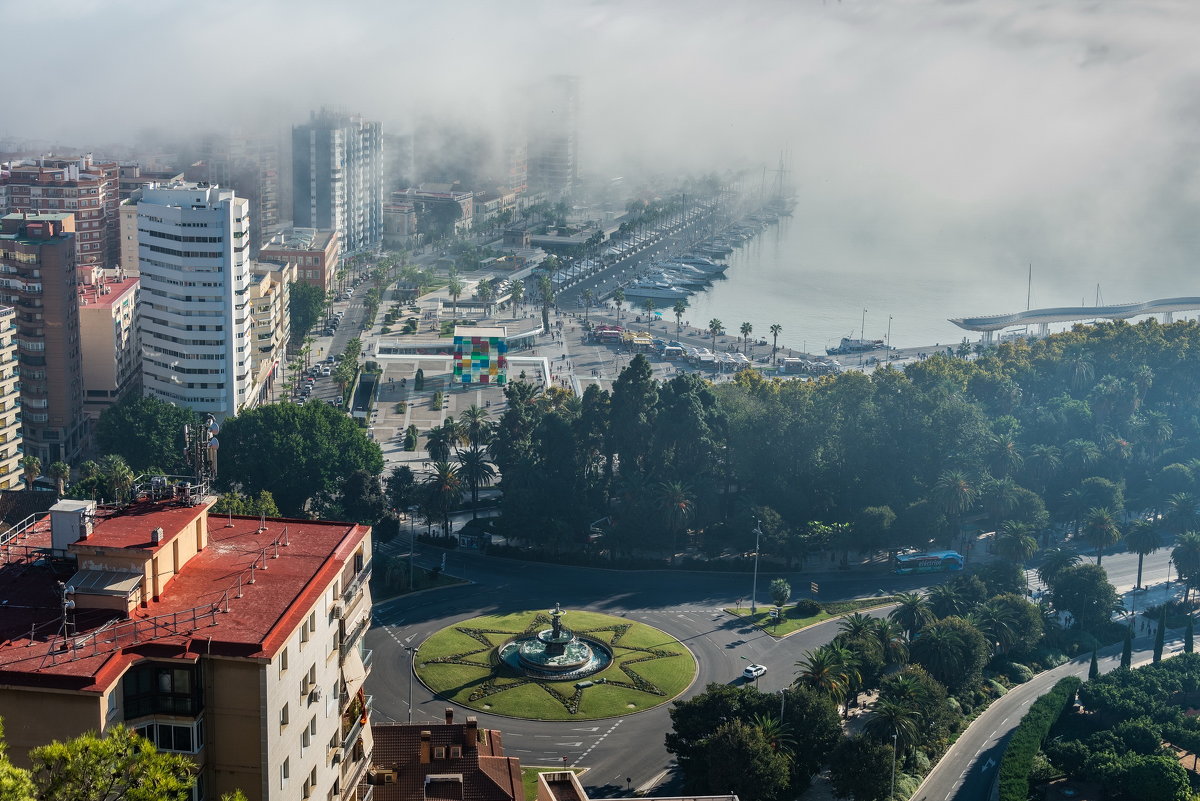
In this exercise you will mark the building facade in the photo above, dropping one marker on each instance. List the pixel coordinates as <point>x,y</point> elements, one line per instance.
<point>270,295</point>
<point>553,155</point>
<point>86,189</point>
<point>249,165</point>
<point>38,278</point>
<point>112,360</point>
<point>11,475</point>
<point>315,253</point>
<point>235,641</point>
<point>195,325</point>
<point>337,178</point>
<point>399,222</point>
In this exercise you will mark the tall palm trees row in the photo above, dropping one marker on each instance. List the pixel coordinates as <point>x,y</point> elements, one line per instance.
<point>466,440</point>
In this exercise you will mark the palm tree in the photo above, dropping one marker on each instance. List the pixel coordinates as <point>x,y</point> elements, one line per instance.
<point>455,289</point>
<point>1054,561</point>
<point>997,622</point>
<point>746,330</point>
<point>888,718</point>
<point>649,306</point>
<point>1015,542</point>
<point>475,426</point>
<point>117,474</point>
<point>1186,556</point>
<point>1142,538</point>
<point>954,494</point>
<point>1183,512</point>
<point>827,671</point>
<point>856,626</point>
<point>474,467</point>
<point>517,293</point>
<point>946,600</point>
<point>716,328</point>
<point>1044,462</point>
<point>679,309</point>
<point>893,644</point>
<point>677,505</point>
<point>444,490</point>
<point>439,441</point>
<point>776,733</point>
<point>941,650</point>
<point>776,329</point>
<point>618,297</point>
<point>61,473</point>
<point>912,612</point>
<point>32,467</point>
<point>1100,529</point>
<point>485,292</point>
<point>587,303</point>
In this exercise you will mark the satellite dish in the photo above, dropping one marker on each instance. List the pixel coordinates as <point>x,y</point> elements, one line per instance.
<point>213,444</point>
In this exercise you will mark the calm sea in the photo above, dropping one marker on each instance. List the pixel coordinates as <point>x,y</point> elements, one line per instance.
<point>816,281</point>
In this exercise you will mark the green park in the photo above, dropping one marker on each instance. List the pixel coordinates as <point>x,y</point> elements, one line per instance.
<point>461,663</point>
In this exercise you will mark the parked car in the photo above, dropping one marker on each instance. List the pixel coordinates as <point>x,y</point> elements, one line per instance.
<point>325,371</point>
<point>753,671</point>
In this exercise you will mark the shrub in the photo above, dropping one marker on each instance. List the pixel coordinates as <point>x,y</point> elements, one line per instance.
<point>1018,673</point>
<point>1017,762</point>
<point>806,608</point>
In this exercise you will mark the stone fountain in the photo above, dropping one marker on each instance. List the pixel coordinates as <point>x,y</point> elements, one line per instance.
<point>556,652</point>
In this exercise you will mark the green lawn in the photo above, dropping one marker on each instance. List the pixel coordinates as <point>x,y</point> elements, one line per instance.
<point>790,623</point>
<point>530,773</point>
<point>469,678</point>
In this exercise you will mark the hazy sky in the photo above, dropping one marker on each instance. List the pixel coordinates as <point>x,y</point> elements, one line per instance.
<point>993,131</point>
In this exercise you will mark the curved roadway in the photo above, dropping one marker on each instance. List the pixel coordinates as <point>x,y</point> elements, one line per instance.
<point>686,605</point>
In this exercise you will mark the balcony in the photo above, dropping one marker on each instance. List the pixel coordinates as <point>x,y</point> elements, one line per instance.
<point>353,722</point>
<point>352,638</point>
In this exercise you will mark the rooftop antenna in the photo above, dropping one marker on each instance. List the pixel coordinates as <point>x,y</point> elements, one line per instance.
<point>229,521</point>
<point>262,522</point>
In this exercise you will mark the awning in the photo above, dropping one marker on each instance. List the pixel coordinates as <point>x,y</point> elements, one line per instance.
<point>105,582</point>
<point>353,672</point>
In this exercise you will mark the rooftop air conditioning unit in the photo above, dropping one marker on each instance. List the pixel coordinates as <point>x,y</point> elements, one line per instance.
<point>335,755</point>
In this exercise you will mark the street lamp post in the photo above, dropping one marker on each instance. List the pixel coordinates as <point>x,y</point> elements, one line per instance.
<point>889,340</point>
<point>754,591</point>
<point>412,656</point>
<point>892,795</point>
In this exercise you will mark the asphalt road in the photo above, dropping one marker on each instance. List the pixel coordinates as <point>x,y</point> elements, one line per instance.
<point>689,607</point>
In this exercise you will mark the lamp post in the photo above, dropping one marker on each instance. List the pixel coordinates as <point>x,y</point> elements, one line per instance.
<point>892,794</point>
<point>754,591</point>
<point>889,340</point>
<point>412,655</point>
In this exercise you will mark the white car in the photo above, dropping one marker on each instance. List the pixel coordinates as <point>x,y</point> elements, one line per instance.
<point>753,671</point>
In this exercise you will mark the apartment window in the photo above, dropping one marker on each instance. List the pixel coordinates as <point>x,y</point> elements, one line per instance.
<point>306,735</point>
<point>285,772</point>
<point>283,661</point>
<point>165,689</point>
<point>439,752</point>
<point>283,716</point>
<point>184,739</point>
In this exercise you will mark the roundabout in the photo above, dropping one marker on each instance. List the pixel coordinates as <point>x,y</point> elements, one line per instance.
<point>530,665</point>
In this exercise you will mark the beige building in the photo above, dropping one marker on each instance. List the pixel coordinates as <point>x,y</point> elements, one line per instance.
<point>112,361</point>
<point>11,476</point>
<point>234,641</point>
<point>270,286</point>
<point>315,254</point>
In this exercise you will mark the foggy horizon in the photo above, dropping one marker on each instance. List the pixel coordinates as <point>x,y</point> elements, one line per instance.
<point>989,135</point>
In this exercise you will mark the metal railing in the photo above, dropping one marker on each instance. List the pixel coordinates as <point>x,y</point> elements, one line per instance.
<point>356,728</point>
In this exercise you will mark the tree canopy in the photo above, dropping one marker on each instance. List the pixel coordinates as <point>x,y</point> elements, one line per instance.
<point>146,432</point>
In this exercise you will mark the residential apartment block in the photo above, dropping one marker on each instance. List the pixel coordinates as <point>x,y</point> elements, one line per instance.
<point>80,186</point>
<point>553,152</point>
<point>315,254</point>
<point>270,294</point>
<point>235,641</point>
<point>249,165</point>
<point>337,178</point>
<point>112,360</point>
<point>38,278</point>
<point>195,325</point>
<point>11,451</point>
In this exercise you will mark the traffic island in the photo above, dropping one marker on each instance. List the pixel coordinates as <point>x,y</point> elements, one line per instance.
<point>529,665</point>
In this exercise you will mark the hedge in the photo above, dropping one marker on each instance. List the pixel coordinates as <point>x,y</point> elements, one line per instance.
<point>1028,737</point>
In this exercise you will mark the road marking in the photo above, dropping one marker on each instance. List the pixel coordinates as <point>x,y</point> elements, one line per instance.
<point>988,765</point>
<point>593,728</point>
<point>598,741</point>
<point>570,745</point>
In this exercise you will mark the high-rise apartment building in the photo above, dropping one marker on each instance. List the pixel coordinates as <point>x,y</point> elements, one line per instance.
<point>553,156</point>
<point>11,475</point>
<point>195,323</point>
<point>112,360</point>
<point>38,278</point>
<point>270,297</point>
<point>87,189</point>
<point>337,178</point>
<point>235,641</point>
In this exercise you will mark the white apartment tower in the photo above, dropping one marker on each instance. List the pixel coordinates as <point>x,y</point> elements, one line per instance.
<point>337,178</point>
<point>196,325</point>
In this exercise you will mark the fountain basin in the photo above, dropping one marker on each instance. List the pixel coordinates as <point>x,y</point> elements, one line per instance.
<point>578,657</point>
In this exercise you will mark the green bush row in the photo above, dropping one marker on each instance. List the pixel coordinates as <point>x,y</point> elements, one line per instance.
<point>1028,737</point>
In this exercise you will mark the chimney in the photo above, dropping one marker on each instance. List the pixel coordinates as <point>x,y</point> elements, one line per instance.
<point>449,716</point>
<point>471,732</point>
<point>426,750</point>
<point>156,535</point>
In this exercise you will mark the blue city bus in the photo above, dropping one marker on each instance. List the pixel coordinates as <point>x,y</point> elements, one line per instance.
<point>930,562</point>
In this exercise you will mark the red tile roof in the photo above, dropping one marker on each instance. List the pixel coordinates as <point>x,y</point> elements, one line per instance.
<point>185,621</point>
<point>487,775</point>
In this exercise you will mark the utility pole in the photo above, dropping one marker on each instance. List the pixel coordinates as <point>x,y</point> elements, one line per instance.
<point>754,591</point>
<point>412,655</point>
<point>892,795</point>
